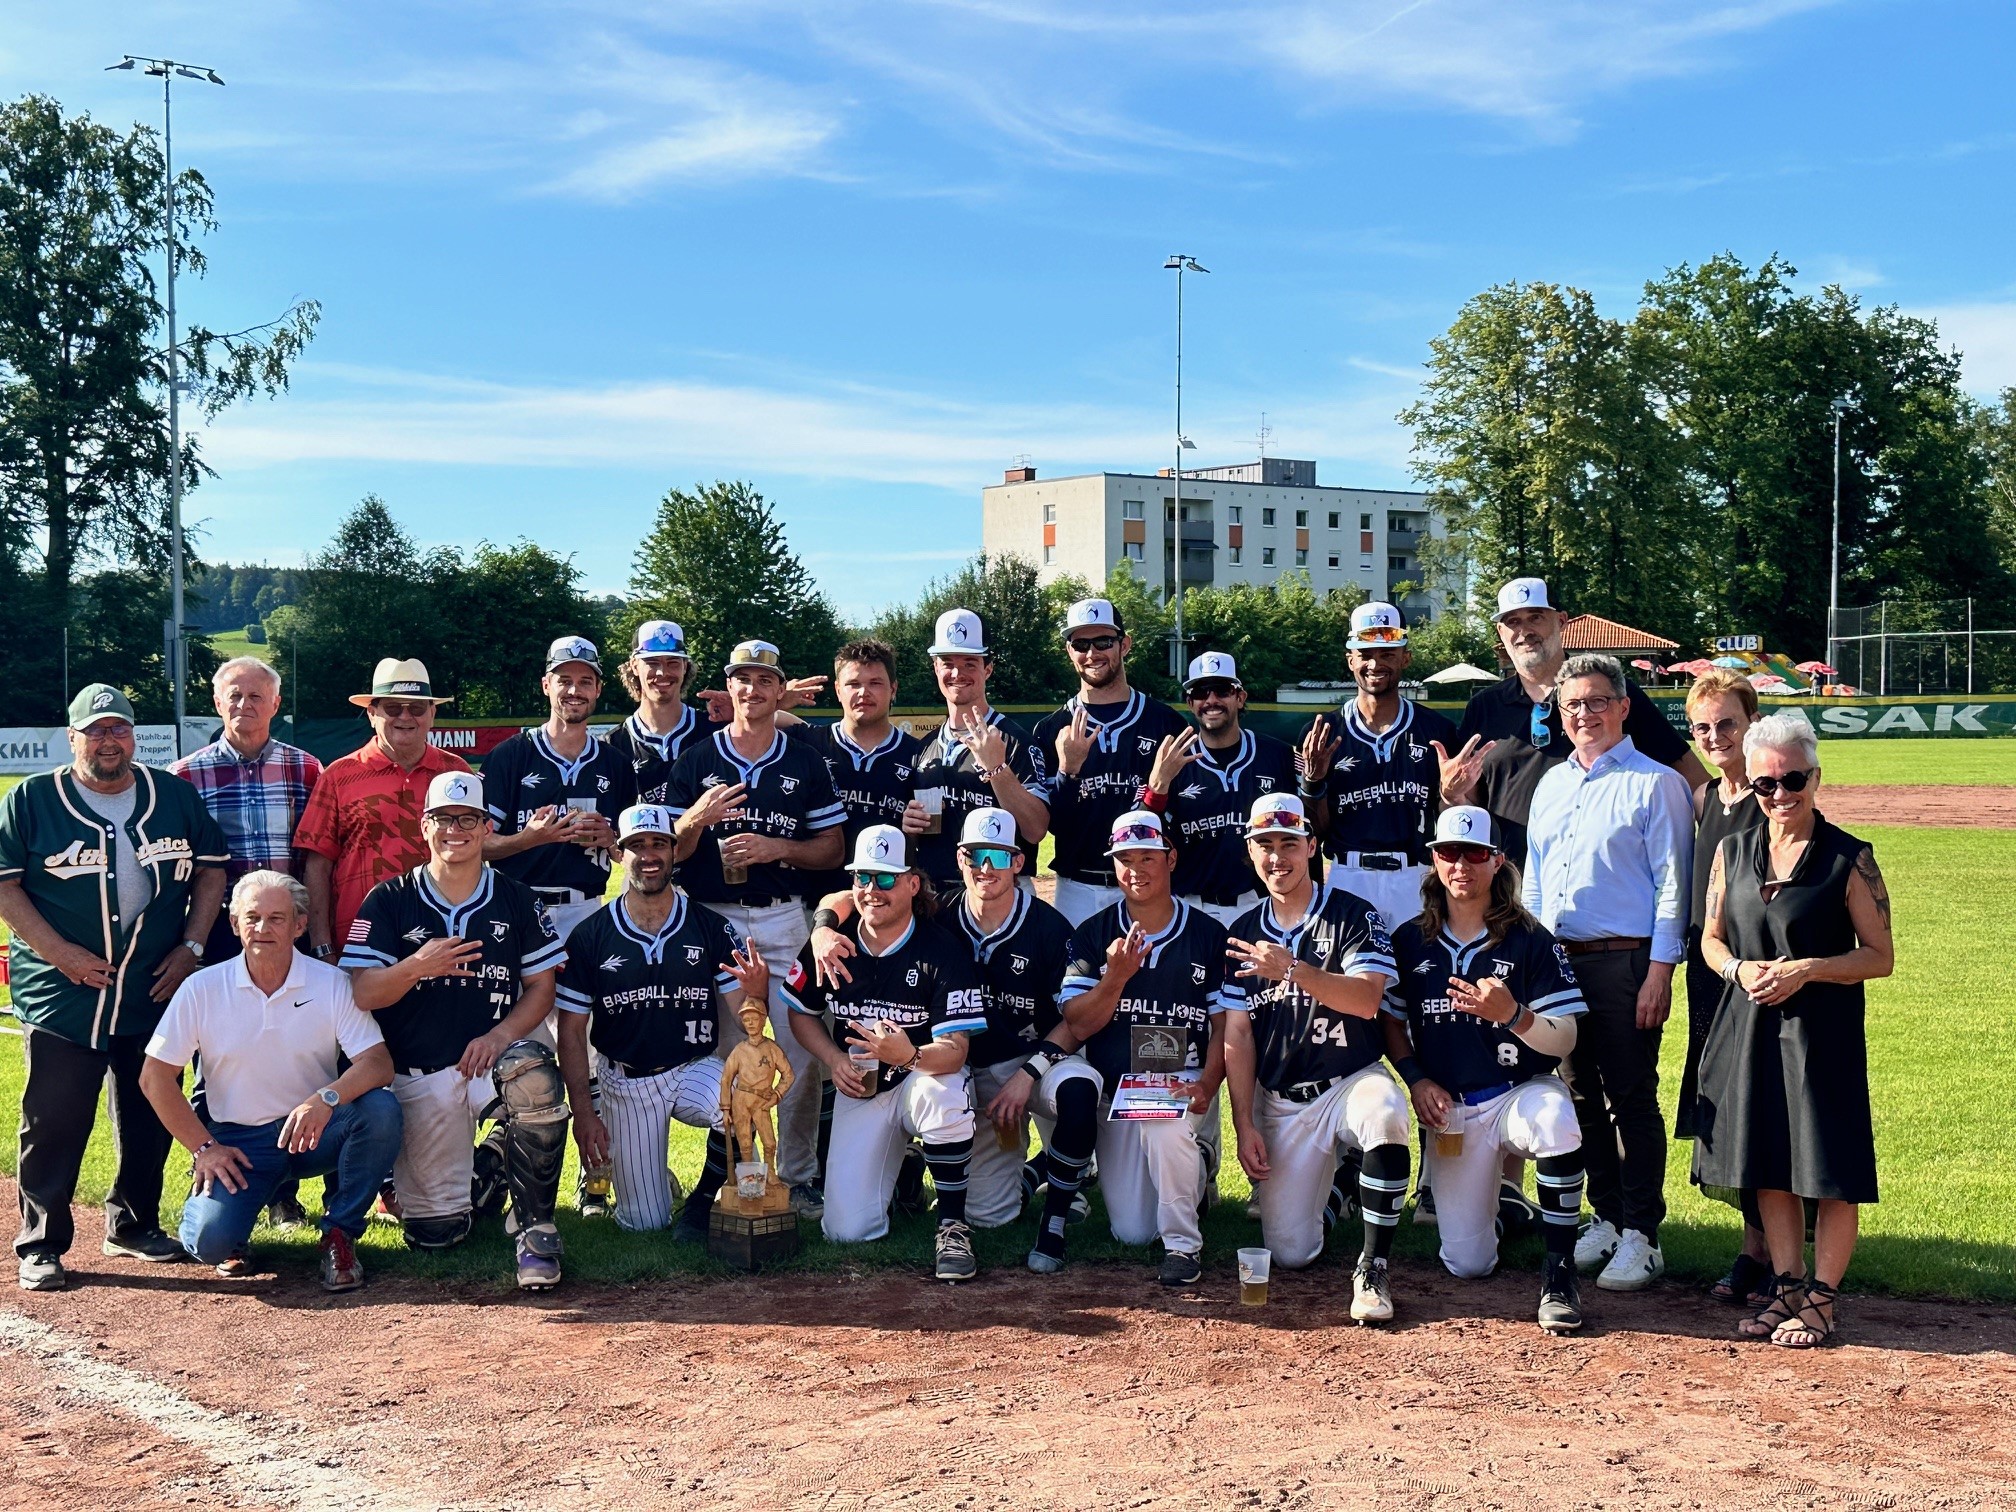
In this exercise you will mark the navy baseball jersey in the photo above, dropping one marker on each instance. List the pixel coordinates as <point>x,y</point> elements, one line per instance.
<point>525,774</point>
<point>790,797</point>
<point>1021,965</point>
<point>1083,808</point>
<point>944,762</point>
<point>1163,1019</point>
<point>873,787</point>
<point>924,983</point>
<point>650,997</point>
<point>1458,1049</point>
<point>1384,788</point>
<point>1295,1038</point>
<point>432,1025</point>
<point>1207,813</point>
<point>651,756</point>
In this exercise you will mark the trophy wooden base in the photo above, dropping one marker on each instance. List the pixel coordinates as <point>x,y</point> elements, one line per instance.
<point>751,1242</point>
<point>776,1199</point>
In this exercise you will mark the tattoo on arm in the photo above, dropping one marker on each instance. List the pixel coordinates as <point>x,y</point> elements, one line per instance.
<point>1712,924</point>
<point>1872,877</point>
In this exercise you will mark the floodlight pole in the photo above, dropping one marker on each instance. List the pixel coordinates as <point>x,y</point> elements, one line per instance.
<point>1181,262</point>
<point>1840,407</point>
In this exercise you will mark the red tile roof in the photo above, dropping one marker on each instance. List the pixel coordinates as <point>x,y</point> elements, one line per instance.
<point>1592,632</point>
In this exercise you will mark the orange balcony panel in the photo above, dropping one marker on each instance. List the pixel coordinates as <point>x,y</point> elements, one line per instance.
<point>1365,542</point>
<point>1050,535</point>
<point>1235,535</point>
<point>1134,532</point>
<point>1302,539</point>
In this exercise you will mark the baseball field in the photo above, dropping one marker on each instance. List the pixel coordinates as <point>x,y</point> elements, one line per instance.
<point>851,1379</point>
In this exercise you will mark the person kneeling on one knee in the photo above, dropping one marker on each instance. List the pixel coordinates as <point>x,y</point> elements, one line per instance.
<point>1310,972</point>
<point>270,1027</point>
<point>906,1011</point>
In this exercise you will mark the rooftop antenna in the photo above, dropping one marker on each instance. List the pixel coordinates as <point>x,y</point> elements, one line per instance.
<point>1266,430</point>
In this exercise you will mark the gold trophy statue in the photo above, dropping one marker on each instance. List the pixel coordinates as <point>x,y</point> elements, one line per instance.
<point>754,1079</point>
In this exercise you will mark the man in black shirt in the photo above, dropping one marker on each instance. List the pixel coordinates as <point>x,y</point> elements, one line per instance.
<point>1104,739</point>
<point>873,761</point>
<point>1511,732</point>
<point>664,724</point>
<point>457,962</point>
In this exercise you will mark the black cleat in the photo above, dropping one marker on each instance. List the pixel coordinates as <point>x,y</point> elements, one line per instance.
<point>1179,1269</point>
<point>149,1244</point>
<point>954,1252</point>
<point>1560,1297</point>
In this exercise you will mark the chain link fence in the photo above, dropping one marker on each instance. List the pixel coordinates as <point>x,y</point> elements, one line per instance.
<point>1922,646</point>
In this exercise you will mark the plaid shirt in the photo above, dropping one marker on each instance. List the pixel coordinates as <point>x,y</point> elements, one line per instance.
<point>256,800</point>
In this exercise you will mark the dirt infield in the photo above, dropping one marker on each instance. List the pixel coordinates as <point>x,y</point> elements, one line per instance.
<point>1940,807</point>
<point>144,1387</point>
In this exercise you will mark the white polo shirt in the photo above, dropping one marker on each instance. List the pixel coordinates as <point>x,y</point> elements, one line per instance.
<point>263,1056</point>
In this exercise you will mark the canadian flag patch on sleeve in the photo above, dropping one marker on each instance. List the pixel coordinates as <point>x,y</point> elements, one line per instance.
<point>795,977</point>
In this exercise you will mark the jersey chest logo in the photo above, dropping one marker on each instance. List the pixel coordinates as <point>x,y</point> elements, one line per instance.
<point>788,784</point>
<point>75,860</point>
<point>910,977</point>
<point>601,784</point>
<point>1501,968</point>
<point>1424,968</point>
<point>417,934</point>
<point>692,955</point>
<point>532,779</point>
<point>1266,784</point>
<point>902,774</point>
<point>1145,746</point>
<point>613,963</point>
<point>1194,790</point>
<point>1417,753</point>
<point>1018,964</point>
<point>499,929</point>
<point>1197,974</point>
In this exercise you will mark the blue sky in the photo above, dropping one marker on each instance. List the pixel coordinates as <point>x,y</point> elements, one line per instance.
<point>572,254</point>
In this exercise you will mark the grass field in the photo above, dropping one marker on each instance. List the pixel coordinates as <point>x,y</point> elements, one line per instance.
<point>1942,1063</point>
<point>1895,763</point>
<point>230,643</point>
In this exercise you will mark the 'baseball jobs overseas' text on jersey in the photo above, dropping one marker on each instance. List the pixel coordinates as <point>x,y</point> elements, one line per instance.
<point>651,998</point>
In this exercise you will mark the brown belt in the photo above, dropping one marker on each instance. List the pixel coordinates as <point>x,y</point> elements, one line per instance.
<point>1599,947</point>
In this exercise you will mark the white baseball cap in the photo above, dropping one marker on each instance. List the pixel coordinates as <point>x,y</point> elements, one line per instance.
<point>1092,614</point>
<point>573,648</point>
<point>959,634</point>
<point>988,826</point>
<point>1213,666</point>
<point>455,790</point>
<point>1374,625</point>
<point>1523,593</point>
<point>1138,829</point>
<point>1463,824</point>
<point>643,819</point>
<point>756,653</point>
<point>880,847</point>
<point>659,638</point>
<point>1277,814</point>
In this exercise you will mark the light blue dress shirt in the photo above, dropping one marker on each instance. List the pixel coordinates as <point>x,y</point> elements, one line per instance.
<point>1610,851</point>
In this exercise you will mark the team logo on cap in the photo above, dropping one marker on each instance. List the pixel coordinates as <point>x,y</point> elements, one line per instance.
<point>957,631</point>
<point>1464,824</point>
<point>456,789</point>
<point>1524,593</point>
<point>881,848</point>
<point>104,698</point>
<point>575,649</point>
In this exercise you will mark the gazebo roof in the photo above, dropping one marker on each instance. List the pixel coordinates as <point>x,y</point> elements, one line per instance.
<point>1592,632</point>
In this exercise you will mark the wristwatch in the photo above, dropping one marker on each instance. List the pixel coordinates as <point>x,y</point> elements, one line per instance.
<point>195,948</point>
<point>330,1096</point>
<point>323,952</point>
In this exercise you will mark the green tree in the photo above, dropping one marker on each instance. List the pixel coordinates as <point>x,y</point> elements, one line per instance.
<point>716,561</point>
<point>502,609</point>
<point>115,637</point>
<point>1279,632</point>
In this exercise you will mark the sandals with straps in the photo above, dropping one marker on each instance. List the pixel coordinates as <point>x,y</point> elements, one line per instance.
<point>1747,1284</point>
<point>1779,1311</point>
<point>1809,1327</point>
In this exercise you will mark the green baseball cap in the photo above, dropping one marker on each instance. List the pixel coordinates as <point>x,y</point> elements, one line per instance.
<point>99,701</point>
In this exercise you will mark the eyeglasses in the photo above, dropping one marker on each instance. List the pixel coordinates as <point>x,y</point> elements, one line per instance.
<point>988,857</point>
<point>1701,729</point>
<point>107,730</point>
<point>1538,733</point>
<point>1087,643</point>
<point>394,709</point>
<point>1792,782</point>
<point>1467,855</point>
<point>1580,706</point>
<point>881,881</point>
<point>464,822</point>
<point>1198,692</point>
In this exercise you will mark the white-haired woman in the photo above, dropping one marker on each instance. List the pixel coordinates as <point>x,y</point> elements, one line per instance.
<point>1797,920</point>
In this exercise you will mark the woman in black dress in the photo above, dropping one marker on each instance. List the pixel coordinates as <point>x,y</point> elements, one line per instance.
<point>1721,706</point>
<point>1797,920</point>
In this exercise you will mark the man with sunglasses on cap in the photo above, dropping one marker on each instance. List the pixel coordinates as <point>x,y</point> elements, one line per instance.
<point>1105,739</point>
<point>976,759</point>
<point>1372,776</point>
<point>1204,781</point>
<point>1145,992</point>
<point>753,810</point>
<point>1609,869</point>
<point>1311,969</point>
<point>907,1011</point>
<point>1511,733</point>
<point>555,792</point>
<point>663,724</point>
<point>1484,1008</point>
<point>457,962</point>
<point>647,979</point>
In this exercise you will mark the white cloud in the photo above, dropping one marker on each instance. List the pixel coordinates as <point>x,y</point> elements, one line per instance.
<point>1985,332</point>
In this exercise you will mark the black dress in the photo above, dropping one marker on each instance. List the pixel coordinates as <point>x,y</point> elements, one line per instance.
<point>1784,1098</point>
<point>1718,821</point>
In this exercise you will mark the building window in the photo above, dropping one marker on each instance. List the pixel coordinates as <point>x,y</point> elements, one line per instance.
<point>1364,522</point>
<point>1266,556</point>
<point>1336,561</point>
<point>1049,555</point>
<point>1234,513</point>
<point>1301,519</point>
<point>1130,509</point>
<point>1336,519</point>
<point>1301,557</point>
<point>1049,514</point>
<point>1133,551</point>
<point>1266,517</point>
<point>1238,554</point>
<point>1365,564</point>
<point>1396,564</point>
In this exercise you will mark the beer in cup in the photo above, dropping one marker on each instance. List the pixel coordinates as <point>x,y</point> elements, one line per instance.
<point>1254,1266</point>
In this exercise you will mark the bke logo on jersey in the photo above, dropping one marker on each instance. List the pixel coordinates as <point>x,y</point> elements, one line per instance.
<point>712,779</point>
<point>1417,753</point>
<point>1266,784</point>
<point>417,934</point>
<point>692,955</point>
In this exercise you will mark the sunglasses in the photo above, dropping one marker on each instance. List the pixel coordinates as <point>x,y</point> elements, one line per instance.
<point>988,857</point>
<point>1138,834</point>
<point>1537,732</point>
<point>1203,690</point>
<point>1792,782</point>
<point>456,821</point>
<point>1273,819</point>
<point>1094,643</point>
<point>1379,635</point>
<point>393,709</point>
<point>1701,729</point>
<point>880,881</point>
<point>1468,855</point>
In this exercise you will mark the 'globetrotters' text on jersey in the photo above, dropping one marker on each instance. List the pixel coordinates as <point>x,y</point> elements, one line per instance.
<point>924,983</point>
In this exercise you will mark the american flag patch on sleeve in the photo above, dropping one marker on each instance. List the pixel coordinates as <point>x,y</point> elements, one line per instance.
<point>360,932</point>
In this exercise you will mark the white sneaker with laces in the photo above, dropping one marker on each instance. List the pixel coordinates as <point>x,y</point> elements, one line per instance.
<point>1595,1245</point>
<point>1635,1266</point>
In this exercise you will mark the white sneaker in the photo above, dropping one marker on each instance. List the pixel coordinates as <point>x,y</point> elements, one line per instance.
<point>1636,1265</point>
<point>1596,1244</point>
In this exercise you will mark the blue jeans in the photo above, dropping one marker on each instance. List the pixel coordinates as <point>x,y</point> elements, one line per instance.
<point>357,1148</point>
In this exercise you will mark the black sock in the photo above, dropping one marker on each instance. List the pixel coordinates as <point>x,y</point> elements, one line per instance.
<point>1382,1188</point>
<point>1343,1190</point>
<point>1035,1171</point>
<point>910,1179</point>
<point>712,1173</point>
<point>1069,1153</point>
<point>948,1164</point>
<point>825,1125</point>
<point>1557,1179</point>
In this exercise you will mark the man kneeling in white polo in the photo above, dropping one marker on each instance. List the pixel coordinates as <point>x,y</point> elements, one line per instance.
<point>269,1026</point>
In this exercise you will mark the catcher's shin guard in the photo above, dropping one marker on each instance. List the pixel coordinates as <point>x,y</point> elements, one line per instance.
<point>533,1109</point>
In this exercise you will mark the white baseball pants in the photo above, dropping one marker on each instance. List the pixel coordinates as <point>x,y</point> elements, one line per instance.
<point>1078,901</point>
<point>437,1155</point>
<point>1396,894</point>
<point>1152,1176</point>
<point>639,1115</point>
<point>1304,1141</point>
<point>869,1137</point>
<point>1535,1119</point>
<point>994,1185</point>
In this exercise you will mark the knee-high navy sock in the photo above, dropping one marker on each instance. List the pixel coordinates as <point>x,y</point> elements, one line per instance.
<point>825,1141</point>
<point>712,1174</point>
<point>1557,1179</point>
<point>1069,1152</point>
<point>948,1163</point>
<point>1382,1187</point>
<point>1343,1190</point>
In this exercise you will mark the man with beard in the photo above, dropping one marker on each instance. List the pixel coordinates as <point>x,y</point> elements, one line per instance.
<point>110,877</point>
<point>664,724</point>
<point>1512,733</point>
<point>1105,739</point>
